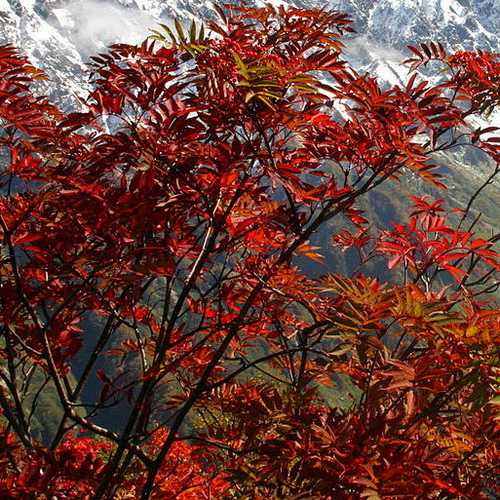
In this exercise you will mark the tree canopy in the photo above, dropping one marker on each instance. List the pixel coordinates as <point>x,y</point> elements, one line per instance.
<point>173,213</point>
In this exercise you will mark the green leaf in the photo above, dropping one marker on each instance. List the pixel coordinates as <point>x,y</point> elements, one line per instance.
<point>157,36</point>
<point>495,401</point>
<point>242,67</point>
<point>192,32</point>
<point>265,100</point>
<point>249,96</point>
<point>169,32</point>
<point>180,31</point>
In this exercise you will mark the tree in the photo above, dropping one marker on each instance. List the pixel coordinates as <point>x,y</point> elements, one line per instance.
<point>171,212</point>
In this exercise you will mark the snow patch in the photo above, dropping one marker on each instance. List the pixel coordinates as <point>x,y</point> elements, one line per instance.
<point>4,6</point>
<point>453,12</point>
<point>65,18</point>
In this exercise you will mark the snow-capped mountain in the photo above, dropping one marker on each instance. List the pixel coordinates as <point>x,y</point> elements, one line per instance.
<point>60,35</point>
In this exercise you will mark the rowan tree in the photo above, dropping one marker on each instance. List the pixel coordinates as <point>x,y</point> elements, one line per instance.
<point>171,211</point>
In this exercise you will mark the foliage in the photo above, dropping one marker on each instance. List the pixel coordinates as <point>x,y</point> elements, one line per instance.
<point>173,210</point>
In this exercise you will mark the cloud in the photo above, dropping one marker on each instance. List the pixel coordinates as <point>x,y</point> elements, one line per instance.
<point>365,50</point>
<point>94,24</point>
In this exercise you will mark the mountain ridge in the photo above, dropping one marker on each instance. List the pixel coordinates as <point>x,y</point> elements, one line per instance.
<point>60,35</point>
